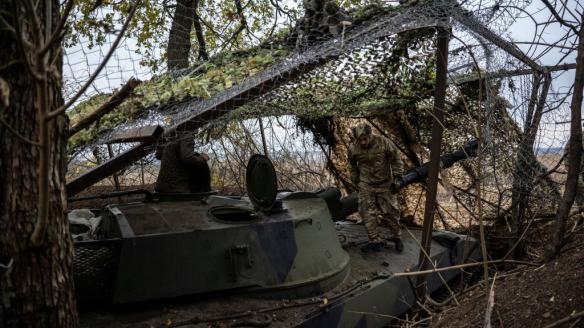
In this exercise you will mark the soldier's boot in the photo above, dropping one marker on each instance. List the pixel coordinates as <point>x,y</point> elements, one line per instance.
<point>399,245</point>
<point>373,246</point>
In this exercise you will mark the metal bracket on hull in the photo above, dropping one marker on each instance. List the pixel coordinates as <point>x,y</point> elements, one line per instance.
<point>233,254</point>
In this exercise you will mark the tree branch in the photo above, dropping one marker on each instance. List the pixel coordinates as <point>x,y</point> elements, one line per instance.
<point>57,32</point>
<point>242,22</point>
<point>558,17</point>
<point>566,319</point>
<point>20,136</point>
<point>23,44</point>
<point>114,46</point>
<point>199,33</point>
<point>116,99</point>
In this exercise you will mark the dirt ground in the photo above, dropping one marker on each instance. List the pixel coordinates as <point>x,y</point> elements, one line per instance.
<point>528,296</point>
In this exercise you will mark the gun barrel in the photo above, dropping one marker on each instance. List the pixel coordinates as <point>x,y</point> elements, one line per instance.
<point>420,173</point>
<point>350,203</point>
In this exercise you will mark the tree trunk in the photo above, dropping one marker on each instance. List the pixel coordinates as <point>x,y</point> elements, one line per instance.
<point>574,155</point>
<point>524,170</point>
<point>179,39</point>
<point>203,55</point>
<point>36,282</point>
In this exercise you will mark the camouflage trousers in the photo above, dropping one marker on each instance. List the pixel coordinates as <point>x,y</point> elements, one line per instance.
<point>378,205</point>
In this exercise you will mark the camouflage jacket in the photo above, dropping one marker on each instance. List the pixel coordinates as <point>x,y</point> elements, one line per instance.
<point>178,163</point>
<point>376,165</point>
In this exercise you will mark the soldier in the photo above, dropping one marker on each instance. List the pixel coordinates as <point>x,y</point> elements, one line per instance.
<point>374,164</point>
<point>182,170</point>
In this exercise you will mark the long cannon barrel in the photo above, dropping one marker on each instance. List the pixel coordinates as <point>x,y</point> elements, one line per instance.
<point>420,173</point>
<point>350,203</point>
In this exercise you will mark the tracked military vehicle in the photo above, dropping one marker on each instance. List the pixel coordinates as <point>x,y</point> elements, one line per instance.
<point>269,249</point>
<point>181,244</point>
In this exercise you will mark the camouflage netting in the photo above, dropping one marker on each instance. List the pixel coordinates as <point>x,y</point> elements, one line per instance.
<point>299,91</point>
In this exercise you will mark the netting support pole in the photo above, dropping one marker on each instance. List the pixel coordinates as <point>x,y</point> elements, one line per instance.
<point>468,19</point>
<point>263,133</point>
<point>110,152</point>
<point>434,168</point>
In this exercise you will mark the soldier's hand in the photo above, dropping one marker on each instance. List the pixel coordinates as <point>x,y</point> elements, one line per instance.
<point>205,156</point>
<point>394,188</point>
<point>396,185</point>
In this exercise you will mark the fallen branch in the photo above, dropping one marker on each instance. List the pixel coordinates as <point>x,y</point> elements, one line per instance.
<point>566,319</point>
<point>490,303</point>
<point>113,102</point>
<point>460,266</point>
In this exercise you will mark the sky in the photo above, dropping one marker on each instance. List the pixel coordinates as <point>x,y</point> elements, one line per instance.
<point>553,134</point>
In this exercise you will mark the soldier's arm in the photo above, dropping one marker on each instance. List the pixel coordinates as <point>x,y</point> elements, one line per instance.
<point>397,165</point>
<point>353,169</point>
<point>188,156</point>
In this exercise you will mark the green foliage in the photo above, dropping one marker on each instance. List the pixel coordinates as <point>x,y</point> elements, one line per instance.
<point>80,111</point>
<point>210,79</point>
<point>205,81</point>
<point>107,122</point>
<point>318,97</point>
<point>92,25</point>
<point>149,27</point>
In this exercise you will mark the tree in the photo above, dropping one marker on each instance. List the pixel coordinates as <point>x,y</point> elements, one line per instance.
<point>179,39</point>
<point>36,283</point>
<point>218,26</point>
<point>575,144</point>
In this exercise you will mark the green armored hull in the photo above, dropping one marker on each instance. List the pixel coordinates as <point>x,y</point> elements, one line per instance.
<point>175,248</point>
<point>270,258</point>
<point>370,295</point>
<point>169,245</point>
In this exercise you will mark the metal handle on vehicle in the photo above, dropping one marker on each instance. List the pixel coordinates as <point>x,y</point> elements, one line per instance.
<point>308,220</point>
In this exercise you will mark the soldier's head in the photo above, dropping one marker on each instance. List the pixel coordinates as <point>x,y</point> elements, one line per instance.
<point>362,134</point>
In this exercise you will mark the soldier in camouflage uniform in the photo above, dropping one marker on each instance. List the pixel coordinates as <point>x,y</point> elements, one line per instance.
<point>374,163</point>
<point>182,170</point>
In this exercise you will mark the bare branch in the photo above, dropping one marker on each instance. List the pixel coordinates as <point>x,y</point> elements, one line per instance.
<point>199,33</point>
<point>23,45</point>
<point>114,46</point>
<point>116,99</point>
<point>57,33</point>
<point>569,318</point>
<point>36,23</point>
<point>7,25</point>
<point>20,136</point>
<point>558,17</point>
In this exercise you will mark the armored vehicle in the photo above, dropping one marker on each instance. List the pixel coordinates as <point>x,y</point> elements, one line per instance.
<point>220,258</point>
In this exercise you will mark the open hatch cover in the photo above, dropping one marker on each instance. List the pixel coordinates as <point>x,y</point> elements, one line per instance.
<point>261,182</point>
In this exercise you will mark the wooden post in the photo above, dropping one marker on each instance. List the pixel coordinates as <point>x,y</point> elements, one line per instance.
<point>115,175</point>
<point>436,144</point>
<point>263,137</point>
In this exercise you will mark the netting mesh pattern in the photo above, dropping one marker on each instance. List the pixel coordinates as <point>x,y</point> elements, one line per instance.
<point>94,268</point>
<point>300,91</point>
